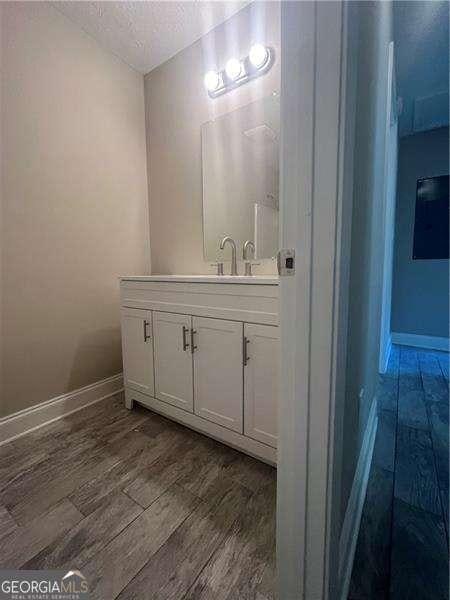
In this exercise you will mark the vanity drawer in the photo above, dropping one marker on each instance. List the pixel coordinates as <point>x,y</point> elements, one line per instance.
<point>252,303</point>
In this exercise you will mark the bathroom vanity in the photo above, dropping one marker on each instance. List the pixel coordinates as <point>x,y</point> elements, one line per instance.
<point>204,351</point>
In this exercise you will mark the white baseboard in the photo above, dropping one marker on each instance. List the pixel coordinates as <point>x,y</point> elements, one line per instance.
<point>24,421</point>
<point>352,519</point>
<point>384,359</point>
<point>421,341</point>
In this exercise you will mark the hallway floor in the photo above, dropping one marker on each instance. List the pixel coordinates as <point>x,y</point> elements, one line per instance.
<point>402,549</point>
<point>145,508</point>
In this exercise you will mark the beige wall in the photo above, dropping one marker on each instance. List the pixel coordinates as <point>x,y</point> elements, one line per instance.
<point>420,295</point>
<point>74,203</point>
<point>176,106</point>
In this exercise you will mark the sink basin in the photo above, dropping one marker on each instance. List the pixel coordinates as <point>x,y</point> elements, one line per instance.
<point>242,279</point>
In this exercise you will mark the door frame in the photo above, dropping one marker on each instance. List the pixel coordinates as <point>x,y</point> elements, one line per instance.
<point>315,219</point>
<point>389,205</point>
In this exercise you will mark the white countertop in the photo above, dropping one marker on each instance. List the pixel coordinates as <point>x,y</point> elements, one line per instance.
<point>254,279</point>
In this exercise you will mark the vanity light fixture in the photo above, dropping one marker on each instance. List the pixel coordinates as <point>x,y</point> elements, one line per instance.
<point>258,55</point>
<point>234,69</point>
<point>212,81</point>
<point>239,71</point>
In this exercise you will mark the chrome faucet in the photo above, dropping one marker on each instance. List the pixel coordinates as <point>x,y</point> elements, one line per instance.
<point>230,240</point>
<point>248,265</point>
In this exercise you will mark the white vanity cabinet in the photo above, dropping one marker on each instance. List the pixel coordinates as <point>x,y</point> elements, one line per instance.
<point>261,368</point>
<point>137,350</point>
<point>173,359</point>
<point>218,389</point>
<point>204,351</point>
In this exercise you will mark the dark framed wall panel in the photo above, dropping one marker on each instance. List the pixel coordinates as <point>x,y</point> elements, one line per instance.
<point>431,222</point>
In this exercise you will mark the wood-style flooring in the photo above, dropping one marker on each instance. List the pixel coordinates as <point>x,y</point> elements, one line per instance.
<point>143,507</point>
<point>402,549</point>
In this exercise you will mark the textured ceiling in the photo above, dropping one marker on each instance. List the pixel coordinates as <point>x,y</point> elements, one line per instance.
<point>422,50</point>
<point>145,34</point>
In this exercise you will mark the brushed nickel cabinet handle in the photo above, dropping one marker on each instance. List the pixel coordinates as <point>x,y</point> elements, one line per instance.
<point>185,342</point>
<point>245,351</point>
<point>146,334</point>
<point>193,346</point>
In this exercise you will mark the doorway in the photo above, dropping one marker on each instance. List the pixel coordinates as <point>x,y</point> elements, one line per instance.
<point>402,545</point>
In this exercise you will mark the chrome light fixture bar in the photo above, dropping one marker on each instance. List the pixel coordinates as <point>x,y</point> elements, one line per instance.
<point>238,71</point>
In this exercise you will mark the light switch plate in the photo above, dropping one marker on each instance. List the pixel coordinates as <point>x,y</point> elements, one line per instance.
<point>286,261</point>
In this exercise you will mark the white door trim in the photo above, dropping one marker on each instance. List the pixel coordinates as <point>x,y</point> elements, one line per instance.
<point>298,24</point>
<point>389,201</point>
<point>314,216</point>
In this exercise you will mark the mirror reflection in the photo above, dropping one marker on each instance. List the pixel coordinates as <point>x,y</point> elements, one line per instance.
<point>241,180</point>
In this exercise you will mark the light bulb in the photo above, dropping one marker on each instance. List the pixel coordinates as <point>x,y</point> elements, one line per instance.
<point>258,55</point>
<point>211,81</point>
<point>233,68</point>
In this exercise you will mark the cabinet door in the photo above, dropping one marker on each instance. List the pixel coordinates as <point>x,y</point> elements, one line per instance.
<point>218,384</point>
<point>261,383</point>
<point>137,349</point>
<point>173,359</point>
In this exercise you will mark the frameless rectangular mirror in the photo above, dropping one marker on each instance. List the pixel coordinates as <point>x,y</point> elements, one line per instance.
<point>240,179</point>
